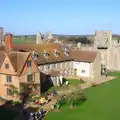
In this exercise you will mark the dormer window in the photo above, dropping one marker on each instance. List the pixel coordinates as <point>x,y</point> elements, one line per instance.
<point>35,56</point>
<point>56,53</point>
<point>46,53</point>
<point>66,52</point>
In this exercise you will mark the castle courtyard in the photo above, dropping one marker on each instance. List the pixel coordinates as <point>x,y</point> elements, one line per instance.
<point>102,104</point>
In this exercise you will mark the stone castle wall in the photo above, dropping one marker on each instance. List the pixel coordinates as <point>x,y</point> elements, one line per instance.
<point>109,57</point>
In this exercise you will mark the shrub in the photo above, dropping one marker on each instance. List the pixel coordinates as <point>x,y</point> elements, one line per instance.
<point>72,98</point>
<point>94,84</point>
<point>15,102</point>
<point>62,100</point>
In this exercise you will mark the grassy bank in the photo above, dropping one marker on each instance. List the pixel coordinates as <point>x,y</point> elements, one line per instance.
<point>102,104</point>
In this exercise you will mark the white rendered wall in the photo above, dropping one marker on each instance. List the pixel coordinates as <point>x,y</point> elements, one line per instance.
<point>82,66</point>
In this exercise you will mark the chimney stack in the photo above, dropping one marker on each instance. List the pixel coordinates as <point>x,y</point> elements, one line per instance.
<point>8,41</point>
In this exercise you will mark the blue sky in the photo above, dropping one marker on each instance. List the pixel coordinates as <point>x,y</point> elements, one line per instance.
<point>59,16</point>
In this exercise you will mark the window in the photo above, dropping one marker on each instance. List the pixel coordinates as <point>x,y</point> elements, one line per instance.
<point>6,66</point>
<point>30,78</point>
<point>61,65</point>
<point>68,64</point>
<point>34,56</point>
<point>65,64</point>
<point>9,79</point>
<point>29,63</point>
<point>42,68</point>
<point>58,65</point>
<point>9,91</point>
<point>46,54</point>
<point>47,66</point>
<point>50,66</point>
<point>56,53</point>
<point>66,52</point>
<point>71,64</point>
<point>82,71</point>
<point>22,89</point>
<point>118,41</point>
<point>53,65</point>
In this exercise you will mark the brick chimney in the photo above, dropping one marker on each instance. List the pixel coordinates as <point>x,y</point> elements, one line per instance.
<point>8,42</point>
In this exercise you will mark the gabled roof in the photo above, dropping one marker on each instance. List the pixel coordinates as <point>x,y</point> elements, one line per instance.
<point>18,60</point>
<point>84,56</point>
<point>2,57</point>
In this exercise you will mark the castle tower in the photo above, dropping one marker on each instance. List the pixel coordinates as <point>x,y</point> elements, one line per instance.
<point>39,38</point>
<point>103,42</point>
<point>48,36</point>
<point>103,39</point>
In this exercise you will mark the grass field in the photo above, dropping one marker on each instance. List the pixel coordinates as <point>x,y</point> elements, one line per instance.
<point>117,74</point>
<point>19,41</point>
<point>103,104</point>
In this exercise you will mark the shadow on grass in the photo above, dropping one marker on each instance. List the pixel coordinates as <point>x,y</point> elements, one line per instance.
<point>9,111</point>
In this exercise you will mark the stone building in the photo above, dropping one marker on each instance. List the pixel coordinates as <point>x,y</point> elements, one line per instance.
<point>17,68</point>
<point>46,38</point>
<point>50,57</point>
<point>54,60</point>
<point>107,48</point>
<point>87,64</point>
<point>39,38</point>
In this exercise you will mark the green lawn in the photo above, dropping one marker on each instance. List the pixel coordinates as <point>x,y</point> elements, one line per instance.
<point>74,81</point>
<point>103,104</point>
<point>19,41</point>
<point>117,74</point>
<point>71,82</point>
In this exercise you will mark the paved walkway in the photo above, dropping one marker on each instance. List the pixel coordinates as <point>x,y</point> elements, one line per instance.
<point>76,77</point>
<point>101,80</point>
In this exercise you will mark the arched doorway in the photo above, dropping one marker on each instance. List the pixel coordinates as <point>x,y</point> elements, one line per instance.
<point>75,72</point>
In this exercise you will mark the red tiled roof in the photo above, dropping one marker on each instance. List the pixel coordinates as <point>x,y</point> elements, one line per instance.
<point>39,48</point>
<point>18,60</point>
<point>84,56</point>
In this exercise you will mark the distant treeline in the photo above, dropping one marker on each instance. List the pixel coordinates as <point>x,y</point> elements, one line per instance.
<point>82,40</point>
<point>61,35</point>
